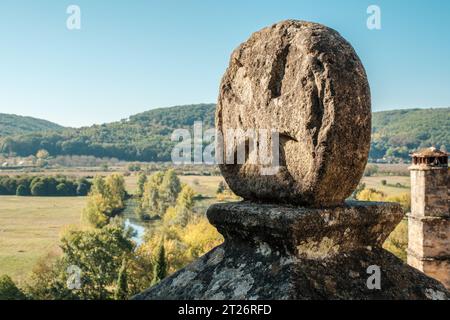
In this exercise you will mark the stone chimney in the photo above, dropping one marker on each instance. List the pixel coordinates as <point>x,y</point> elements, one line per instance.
<point>295,236</point>
<point>429,221</point>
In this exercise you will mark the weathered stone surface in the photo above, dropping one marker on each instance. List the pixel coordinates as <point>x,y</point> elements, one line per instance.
<point>261,261</point>
<point>429,237</point>
<point>429,220</point>
<point>434,267</point>
<point>430,191</point>
<point>307,232</point>
<point>306,82</point>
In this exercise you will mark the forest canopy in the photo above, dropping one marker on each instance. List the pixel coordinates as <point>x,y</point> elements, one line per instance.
<point>11,124</point>
<point>146,136</point>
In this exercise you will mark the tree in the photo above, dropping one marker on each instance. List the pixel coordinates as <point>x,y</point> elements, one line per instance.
<point>99,186</point>
<point>390,152</point>
<point>82,188</point>
<point>397,242</point>
<point>62,189</point>
<point>9,290</point>
<point>185,205</point>
<point>99,253</point>
<point>97,211</point>
<point>38,189</point>
<point>116,192</point>
<point>40,186</point>
<point>97,205</point>
<point>199,237</point>
<point>109,265</point>
<point>22,191</point>
<point>221,187</point>
<point>160,192</point>
<point>186,198</point>
<point>160,265</point>
<point>122,284</point>
<point>151,199</point>
<point>360,187</point>
<point>404,199</point>
<point>105,200</point>
<point>371,170</point>
<point>48,280</point>
<point>134,167</point>
<point>371,195</point>
<point>142,180</point>
<point>170,186</point>
<point>42,154</point>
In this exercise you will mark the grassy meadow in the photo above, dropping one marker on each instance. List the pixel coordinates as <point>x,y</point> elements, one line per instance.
<point>390,188</point>
<point>30,227</point>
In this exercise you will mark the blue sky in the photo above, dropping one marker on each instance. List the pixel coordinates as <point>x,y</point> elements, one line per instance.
<point>131,56</point>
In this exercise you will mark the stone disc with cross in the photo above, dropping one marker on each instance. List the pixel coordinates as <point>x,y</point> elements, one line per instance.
<point>305,82</point>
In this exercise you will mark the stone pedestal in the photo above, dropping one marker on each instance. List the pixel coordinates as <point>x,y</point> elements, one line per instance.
<point>285,252</point>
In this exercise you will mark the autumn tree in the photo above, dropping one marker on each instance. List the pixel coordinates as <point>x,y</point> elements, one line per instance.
<point>99,253</point>
<point>48,280</point>
<point>105,200</point>
<point>199,237</point>
<point>111,267</point>
<point>160,192</point>
<point>142,180</point>
<point>170,186</point>
<point>184,205</point>
<point>116,192</point>
<point>42,154</point>
<point>371,195</point>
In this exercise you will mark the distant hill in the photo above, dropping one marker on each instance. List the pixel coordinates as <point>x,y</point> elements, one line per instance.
<point>146,136</point>
<point>141,137</point>
<point>11,124</point>
<point>397,133</point>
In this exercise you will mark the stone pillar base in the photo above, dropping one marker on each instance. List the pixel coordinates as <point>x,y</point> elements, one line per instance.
<point>435,268</point>
<point>285,252</point>
<point>428,246</point>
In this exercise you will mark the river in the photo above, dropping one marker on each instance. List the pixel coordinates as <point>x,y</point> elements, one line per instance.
<point>138,226</point>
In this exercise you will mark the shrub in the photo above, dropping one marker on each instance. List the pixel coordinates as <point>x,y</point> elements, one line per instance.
<point>9,290</point>
<point>38,189</point>
<point>134,167</point>
<point>22,191</point>
<point>371,195</point>
<point>371,170</point>
<point>62,189</point>
<point>43,186</point>
<point>82,189</point>
<point>397,242</point>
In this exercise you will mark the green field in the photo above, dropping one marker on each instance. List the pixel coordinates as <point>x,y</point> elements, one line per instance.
<point>30,227</point>
<point>204,185</point>
<point>389,189</point>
